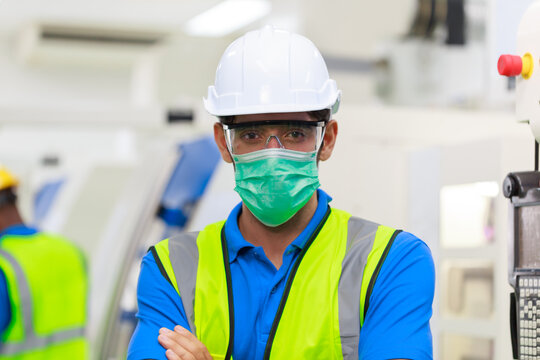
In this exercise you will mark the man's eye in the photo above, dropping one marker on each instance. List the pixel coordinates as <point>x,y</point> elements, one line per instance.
<point>250,135</point>
<point>296,134</point>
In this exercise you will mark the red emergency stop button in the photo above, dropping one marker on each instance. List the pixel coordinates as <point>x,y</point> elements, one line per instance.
<point>510,65</point>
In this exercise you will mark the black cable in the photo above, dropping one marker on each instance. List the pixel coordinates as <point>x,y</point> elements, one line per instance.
<point>535,155</point>
<point>455,22</point>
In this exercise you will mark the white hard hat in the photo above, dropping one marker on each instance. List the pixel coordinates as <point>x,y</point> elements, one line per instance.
<point>271,71</point>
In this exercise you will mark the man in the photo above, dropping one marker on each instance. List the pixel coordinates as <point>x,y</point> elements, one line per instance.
<point>285,276</point>
<point>42,288</point>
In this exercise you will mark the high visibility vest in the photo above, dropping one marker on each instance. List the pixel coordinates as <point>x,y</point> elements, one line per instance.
<point>326,296</point>
<point>47,285</point>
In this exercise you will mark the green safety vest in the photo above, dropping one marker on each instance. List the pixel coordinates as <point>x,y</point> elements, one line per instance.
<point>324,302</point>
<point>47,286</point>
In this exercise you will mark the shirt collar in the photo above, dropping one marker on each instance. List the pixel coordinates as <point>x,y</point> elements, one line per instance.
<point>236,242</point>
<point>18,229</point>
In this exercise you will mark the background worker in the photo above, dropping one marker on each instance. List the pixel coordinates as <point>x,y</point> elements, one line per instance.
<point>43,288</point>
<point>285,276</point>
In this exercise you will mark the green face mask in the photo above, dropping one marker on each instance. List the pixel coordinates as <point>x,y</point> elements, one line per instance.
<point>276,183</point>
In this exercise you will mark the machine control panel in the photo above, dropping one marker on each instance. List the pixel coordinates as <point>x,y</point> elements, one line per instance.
<point>523,190</point>
<point>529,317</point>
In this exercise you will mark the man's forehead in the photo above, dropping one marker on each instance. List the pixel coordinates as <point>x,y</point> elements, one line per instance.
<point>297,116</point>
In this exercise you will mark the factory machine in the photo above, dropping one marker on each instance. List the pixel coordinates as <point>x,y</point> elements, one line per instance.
<point>114,205</point>
<point>523,191</point>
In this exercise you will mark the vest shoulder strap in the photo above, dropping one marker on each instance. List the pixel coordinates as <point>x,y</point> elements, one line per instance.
<point>384,238</point>
<point>183,251</point>
<point>366,249</point>
<point>360,237</point>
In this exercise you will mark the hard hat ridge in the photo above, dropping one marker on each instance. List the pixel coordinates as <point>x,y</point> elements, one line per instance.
<point>270,71</point>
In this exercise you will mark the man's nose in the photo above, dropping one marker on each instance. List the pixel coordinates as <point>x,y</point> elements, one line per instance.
<point>273,142</point>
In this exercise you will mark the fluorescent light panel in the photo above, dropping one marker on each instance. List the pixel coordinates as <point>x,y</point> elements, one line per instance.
<point>227,17</point>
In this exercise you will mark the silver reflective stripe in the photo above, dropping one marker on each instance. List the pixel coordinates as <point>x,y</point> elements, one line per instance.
<point>32,341</point>
<point>24,293</point>
<point>184,256</point>
<point>360,239</point>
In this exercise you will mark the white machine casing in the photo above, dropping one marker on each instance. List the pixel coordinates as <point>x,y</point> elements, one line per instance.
<point>528,90</point>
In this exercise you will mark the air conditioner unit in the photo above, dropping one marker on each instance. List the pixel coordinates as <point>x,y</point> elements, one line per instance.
<point>68,44</point>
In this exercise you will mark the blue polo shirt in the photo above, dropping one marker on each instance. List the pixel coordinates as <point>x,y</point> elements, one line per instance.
<point>400,304</point>
<point>5,308</point>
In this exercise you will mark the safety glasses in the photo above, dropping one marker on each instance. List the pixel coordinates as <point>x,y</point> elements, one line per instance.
<point>243,138</point>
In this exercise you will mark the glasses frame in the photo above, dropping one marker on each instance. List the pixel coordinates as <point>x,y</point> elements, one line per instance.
<point>231,126</point>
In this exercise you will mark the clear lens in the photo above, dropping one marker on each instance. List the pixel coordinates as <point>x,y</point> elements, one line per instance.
<point>293,135</point>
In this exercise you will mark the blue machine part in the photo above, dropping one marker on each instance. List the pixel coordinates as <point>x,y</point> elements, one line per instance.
<point>44,199</point>
<point>198,160</point>
<point>196,164</point>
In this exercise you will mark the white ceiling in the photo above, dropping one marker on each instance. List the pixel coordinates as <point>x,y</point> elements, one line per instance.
<point>346,31</point>
<point>156,14</point>
<point>350,28</point>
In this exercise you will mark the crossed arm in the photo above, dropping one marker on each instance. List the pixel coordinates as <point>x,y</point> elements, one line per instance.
<point>181,344</point>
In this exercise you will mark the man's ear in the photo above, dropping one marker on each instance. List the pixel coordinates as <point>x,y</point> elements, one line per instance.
<point>219,138</point>
<point>329,140</point>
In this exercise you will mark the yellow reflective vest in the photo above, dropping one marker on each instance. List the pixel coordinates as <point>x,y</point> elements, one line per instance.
<point>47,285</point>
<point>324,302</point>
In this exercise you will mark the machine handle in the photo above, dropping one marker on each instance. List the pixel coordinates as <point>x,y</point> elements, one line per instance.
<point>513,325</point>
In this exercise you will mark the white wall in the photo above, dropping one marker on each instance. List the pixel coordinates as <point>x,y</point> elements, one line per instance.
<point>368,172</point>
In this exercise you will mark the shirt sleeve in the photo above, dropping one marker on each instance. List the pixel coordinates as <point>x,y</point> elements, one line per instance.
<point>5,307</point>
<point>400,307</point>
<point>159,305</point>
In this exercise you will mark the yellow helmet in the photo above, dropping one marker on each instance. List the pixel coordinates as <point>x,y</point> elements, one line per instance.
<point>7,179</point>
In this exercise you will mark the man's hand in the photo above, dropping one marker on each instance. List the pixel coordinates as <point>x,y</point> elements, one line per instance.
<point>181,344</point>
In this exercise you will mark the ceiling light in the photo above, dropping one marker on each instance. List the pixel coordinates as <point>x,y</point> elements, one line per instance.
<point>487,188</point>
<point>226,17</point>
